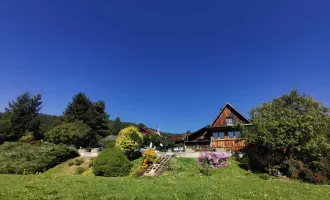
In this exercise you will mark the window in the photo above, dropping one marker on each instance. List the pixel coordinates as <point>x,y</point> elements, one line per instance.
<point>222,135</point>
<point>237,134</point>
<point>231,135</point>
<point>229,121</point>
<point>215,136</point>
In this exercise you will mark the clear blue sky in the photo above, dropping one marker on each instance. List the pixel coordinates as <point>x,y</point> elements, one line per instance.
<point>172,64</point>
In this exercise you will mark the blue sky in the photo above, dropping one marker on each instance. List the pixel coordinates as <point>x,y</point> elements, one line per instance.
<point>171,64</point>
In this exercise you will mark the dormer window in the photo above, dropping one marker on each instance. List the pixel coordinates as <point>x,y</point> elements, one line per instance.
<point>229,121</point>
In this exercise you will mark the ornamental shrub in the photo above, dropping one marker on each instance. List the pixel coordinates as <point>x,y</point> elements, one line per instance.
<point>112,163</point>
<point>129,141</point>
<point>149,156</point>
<point>213,160</point>
<point>77,134</point>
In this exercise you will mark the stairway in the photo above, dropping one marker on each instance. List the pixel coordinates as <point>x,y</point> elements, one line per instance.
<point>158,167</point>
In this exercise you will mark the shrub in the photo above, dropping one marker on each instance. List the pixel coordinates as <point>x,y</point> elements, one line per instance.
<point>213,159</point>
<point>112,163</point>
<point>130,141</point>
<point>80,170</point>
<point>78,161</point>
<point>71,162</point>
<point>206,170</point>
<point>22,158</point>
<point>91,162</point>
<point>149,156</point>
<point>314,172</point>
<point>264,176</point>
<point>88,172</point>
<point>28,137</point>
<point>77,134</point>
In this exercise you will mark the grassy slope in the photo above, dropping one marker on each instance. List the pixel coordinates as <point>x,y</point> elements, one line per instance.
<point>182,182</point>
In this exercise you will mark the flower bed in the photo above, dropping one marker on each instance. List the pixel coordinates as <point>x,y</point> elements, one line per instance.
<point>213,160</point>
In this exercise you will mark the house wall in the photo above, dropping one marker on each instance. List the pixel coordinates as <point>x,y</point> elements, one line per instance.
<point>221,121</point>
<point>226,143</point>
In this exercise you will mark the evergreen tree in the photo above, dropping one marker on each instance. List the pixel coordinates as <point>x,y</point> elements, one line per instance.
<point>21,117</point>
<point>91,113</point>
<point>116,127</point>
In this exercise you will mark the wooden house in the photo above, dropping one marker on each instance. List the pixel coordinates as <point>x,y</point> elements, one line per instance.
<point>221,134</point>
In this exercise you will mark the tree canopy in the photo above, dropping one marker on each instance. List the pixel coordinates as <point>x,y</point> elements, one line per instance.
<point>20,117</point>
<point>91,113</point>
<point>76,134</point>
<point>294,123</point>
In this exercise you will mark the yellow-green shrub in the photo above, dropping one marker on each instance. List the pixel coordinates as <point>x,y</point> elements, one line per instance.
<point>130,141</point>
<point>148,157</point>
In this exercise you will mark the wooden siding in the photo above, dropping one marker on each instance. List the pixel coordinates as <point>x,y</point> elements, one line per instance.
<point>229,144</point>
<point>221,120</point>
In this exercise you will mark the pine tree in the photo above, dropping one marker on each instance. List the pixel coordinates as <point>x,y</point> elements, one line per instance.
<point>21,117</point>
<point>116,127</point>
<point>91,113</point>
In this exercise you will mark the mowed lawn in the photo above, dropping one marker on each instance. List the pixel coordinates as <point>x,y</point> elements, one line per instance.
<point>182,181</point>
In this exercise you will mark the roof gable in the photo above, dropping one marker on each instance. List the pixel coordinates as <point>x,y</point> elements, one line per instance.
<point>229,111</point>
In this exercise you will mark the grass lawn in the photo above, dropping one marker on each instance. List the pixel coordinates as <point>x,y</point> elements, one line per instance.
<point>183,181</point>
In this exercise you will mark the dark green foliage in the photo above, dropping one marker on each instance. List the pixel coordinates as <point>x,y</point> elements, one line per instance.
<point>77,134</point>
<point>23,158</point>
<point>116,127</point>
<point>110,144</point>
<point>21,117</point>
<point>70,163</point>
<point>295,124</point>
<point>80,170</point>
<point>314,172</point>
<point>48,122</point>
<point>112,163</point>
<point>157,140</point>
<point>207,171</point>
<point>291,133</point>
<point>107,143</point>
<point>91,113</point>
<point>78,161</point>
<point>264,176</point>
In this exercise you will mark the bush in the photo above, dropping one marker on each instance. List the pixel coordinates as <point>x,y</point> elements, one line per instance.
<point>77,134</point>
<point>213,159</point>
<point>314,172</point>
<point>71,162</point>
<point>148,157</point>
<point>112,163</point>
<point>206,170</point>
<point>264,176</point>
<point>80,170</point>
<point>22,158</point>
<point>78,161</point>
<point>28,137</point>
<point>130,141</point>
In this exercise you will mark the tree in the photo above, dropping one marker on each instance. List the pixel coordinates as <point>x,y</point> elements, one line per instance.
<point>116,126</point>
<point>21,117</point>
<point>91,113</point>
<point>296,124</point>
<point>48,122</point>
<point>129,141</point>
<point>76,134</point>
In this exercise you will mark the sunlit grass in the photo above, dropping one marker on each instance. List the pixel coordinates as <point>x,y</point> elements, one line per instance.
<point>183,181</point>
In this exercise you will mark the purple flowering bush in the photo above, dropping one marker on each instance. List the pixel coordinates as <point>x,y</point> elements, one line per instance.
<point>213,160</point>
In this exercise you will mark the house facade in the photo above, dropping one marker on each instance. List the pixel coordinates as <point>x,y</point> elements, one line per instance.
<point>221,134</point>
